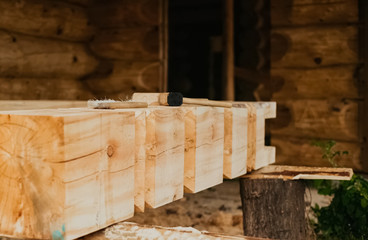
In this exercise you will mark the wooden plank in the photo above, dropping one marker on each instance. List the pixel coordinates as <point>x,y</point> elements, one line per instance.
<point>329,82</point>
<point>235,142</point>
<point>327,119</point>
<point>125,13</point>
<point>53,19</point>
<point>136,231</point>
<point>139,43</point>
<point>300,172</point>
<point>165,155</point>
<point>39,104</point>
<point>41,88</point>
<point>309,47</point>
<point>63,172</point>
<point>298,151</point>
<point>24,56</point>
<point>269,107</point>
<point>125,78</point>
<point>292,14</point>
<point>204,148</point>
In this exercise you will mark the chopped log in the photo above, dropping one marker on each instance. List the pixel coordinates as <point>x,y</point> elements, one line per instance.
<point>165,155</point>
<point>125,13</point>
<point>126,78</point>
<point>300,152</point>
<point>300,172</point>
<point>136,231</point>
<point>24,56</point>
<point>53,19</point>
<point>287,13</point>
<point>82,3</point>
<point>329,82</point>
<point>204,148</point>
<point>309,47</point>
<point>326,119</point>
<point>41,88</point>
<point>235,142</point>
<point>273,208</point>
<point>62,173</point>
<point>39,104</point>
<point>139,43</point>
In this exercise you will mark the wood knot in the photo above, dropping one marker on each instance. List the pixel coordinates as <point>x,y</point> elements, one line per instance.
<point>110,151</point>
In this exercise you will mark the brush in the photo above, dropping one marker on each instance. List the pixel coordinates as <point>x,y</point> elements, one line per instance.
<point>112,104</point>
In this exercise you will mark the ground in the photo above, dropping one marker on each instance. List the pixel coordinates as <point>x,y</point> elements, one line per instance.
<point>217,210</point>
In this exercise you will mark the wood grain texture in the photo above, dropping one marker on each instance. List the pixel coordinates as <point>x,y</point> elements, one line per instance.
<point>43,88</point>
<point>310,47</point>
<point>204,148</point>
<point>299,151</point>
<point>235,142</point>
<point>39,104</point>
<point>125,13</point>
<point>327,119</point>
<point>64,171</point>
<point>139,43</point>
<point>301,172</point>
<point>52,19</point>
<point>292,13</point>
<point>24,56</point>
<point>125,78</point>
<point>165,156</point>
<point>315,83</point>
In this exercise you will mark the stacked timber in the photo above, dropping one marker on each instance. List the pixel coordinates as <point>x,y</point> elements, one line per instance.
<point>314,64</point>
<point>81,49</point>
<point>67,172</point>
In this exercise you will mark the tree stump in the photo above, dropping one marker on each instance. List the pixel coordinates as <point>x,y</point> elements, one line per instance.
<point>273,208</point>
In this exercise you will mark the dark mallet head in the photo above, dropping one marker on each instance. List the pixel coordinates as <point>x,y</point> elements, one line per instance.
<point>175,99</point>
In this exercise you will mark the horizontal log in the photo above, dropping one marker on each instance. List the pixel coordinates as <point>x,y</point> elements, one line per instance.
<point>315,83</point>
<point>52,19</point>
<point>127,44</point>
<point>309,47</point>
<point>125,78</point>
<point>38,88</point>
<point>300,152</point>
<point>327,119</point>
<point>125,13</point>
<point>284,13</point>
<point>300,172</point>
<point>83,3</point>
<point>39,104</point>
<point>24,56</point>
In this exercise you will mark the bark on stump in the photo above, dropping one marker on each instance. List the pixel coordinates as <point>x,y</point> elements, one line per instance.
<point>273,208</point>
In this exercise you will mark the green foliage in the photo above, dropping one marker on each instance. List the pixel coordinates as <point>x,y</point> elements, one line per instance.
<point>347,215</point>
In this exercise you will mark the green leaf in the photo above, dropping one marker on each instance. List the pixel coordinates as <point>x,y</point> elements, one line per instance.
<point>364,203</point>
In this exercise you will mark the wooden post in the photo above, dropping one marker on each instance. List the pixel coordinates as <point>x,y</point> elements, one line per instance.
<point>228,41</point>
<point>273,208</point>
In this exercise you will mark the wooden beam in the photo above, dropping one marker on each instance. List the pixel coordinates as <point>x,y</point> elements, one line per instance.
<point>228,69</point>
<point>62,172</point>
<point>204,148</point>
<point>39,104</point>
<point>300,172</point>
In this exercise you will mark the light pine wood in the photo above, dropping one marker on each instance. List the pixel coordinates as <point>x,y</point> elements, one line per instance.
<point>165,155</point>
<point>235,142</point>
<point>326,119</point>
<point>112,104</point>
<point>313,46</point>
<point>299,151</point>
<point>204,147</point>
<point>39,104</point>
<point>301,172</point>
<point>30,57</point>
<point>64,171</point>
<point>127,230</point>
<point>52,19</point>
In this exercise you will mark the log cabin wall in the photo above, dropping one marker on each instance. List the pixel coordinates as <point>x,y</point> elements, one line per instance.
<point>81,49</point>
<point>314,65</point>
